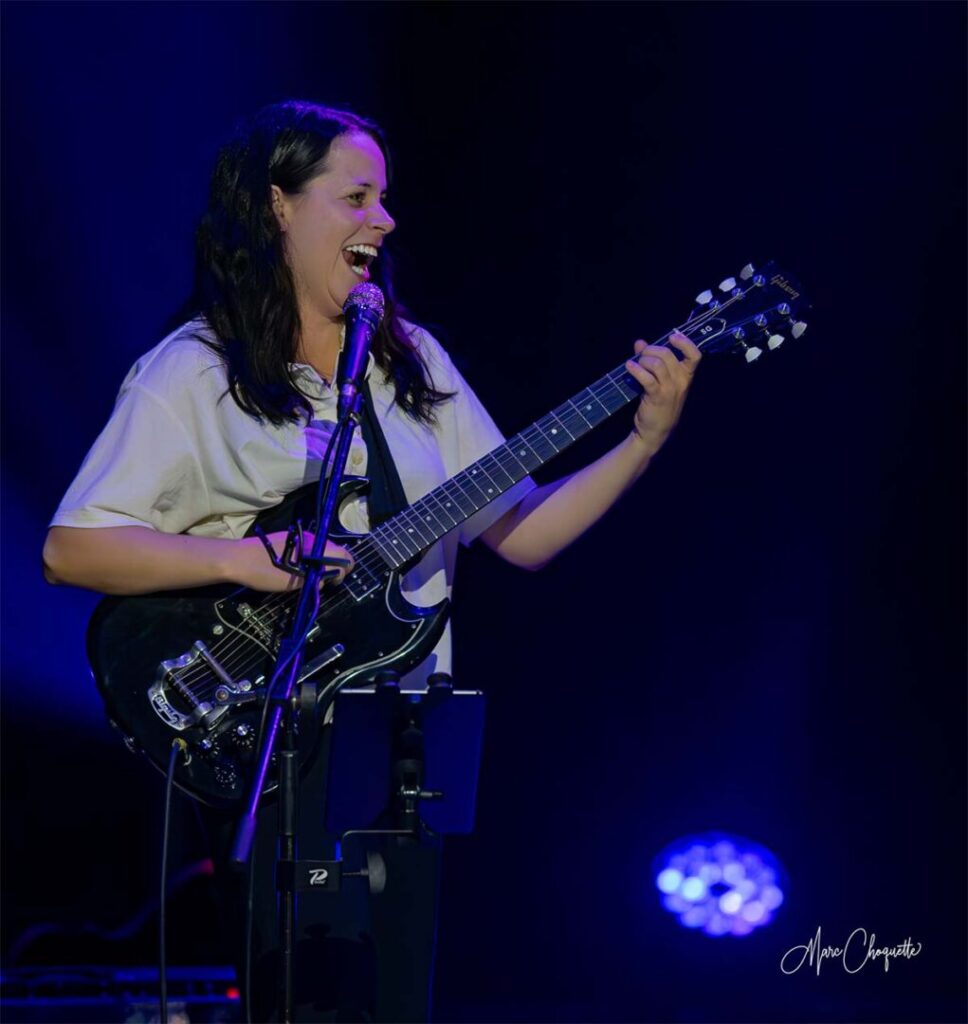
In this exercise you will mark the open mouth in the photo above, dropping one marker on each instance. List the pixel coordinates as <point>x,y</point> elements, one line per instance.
<point>359,258</point>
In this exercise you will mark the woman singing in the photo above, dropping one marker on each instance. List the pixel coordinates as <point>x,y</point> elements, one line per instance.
<point>233,410</point>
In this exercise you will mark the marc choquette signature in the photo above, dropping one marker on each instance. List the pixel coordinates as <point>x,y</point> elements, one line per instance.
<point>855,954</point>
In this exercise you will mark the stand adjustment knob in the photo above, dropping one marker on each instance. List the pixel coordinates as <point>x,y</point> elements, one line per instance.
<point>440,679</point>
<point>387,678</point>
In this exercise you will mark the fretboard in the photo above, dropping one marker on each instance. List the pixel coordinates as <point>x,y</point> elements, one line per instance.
<point>412,531</point>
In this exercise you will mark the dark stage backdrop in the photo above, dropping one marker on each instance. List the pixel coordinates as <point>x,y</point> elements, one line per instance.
<point>766,636</point>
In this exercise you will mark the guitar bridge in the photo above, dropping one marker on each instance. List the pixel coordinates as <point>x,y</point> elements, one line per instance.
<point>198,711</point>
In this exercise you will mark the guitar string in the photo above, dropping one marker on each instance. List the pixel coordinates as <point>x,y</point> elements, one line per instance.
<point>367,556</point>
<point>278,604</point>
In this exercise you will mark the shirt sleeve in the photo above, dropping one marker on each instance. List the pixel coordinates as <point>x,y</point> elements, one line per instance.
<point>143,470</point>
<point>469,433</point>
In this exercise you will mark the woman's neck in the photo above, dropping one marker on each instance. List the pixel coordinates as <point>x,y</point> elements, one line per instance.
<point>320,341</point>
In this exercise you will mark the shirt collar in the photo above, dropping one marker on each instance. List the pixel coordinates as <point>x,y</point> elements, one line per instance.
<point>305,370</point>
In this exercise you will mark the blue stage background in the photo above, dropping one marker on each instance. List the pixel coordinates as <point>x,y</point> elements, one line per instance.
<point>766,636</point>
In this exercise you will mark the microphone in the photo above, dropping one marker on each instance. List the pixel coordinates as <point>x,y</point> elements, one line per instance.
<point>363,310</point>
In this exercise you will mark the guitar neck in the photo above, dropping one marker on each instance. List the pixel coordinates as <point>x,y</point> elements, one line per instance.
<point>412,531</point>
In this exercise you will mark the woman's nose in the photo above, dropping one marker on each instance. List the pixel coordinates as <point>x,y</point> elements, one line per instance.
<point>382,220</point>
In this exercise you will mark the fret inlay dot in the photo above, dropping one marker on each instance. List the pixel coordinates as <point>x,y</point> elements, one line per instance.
<point>410,530</point>
<point>587,408</point>
<point>490,490</point>
<point>554,430</point>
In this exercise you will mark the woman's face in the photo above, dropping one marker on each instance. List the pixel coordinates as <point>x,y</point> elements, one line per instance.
<point>340,208</point>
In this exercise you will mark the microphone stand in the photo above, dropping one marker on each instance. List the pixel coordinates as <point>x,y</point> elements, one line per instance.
<point>284,704</point>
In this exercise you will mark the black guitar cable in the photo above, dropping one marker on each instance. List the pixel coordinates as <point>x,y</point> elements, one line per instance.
<point>177,744</point>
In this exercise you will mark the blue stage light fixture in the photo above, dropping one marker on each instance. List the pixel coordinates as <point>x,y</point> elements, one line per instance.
<point>719,884</point>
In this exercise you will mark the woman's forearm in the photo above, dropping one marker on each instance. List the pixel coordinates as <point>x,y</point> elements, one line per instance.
<point>553,516</point>
<point>134,559</point>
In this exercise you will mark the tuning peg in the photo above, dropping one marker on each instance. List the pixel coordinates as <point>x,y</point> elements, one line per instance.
<point>747,272</point>
<point>728,285</point>
<point>752,353</point>
<point>703,297</point>
<point>760,320</point>
<point>774,341</point>
<point>783,309</point>
<point>798,328</point>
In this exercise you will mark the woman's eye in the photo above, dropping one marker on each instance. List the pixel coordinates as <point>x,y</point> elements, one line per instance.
<point>358,196</point>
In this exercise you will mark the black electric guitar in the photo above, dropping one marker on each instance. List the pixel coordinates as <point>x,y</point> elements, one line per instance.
<point>194,663</point>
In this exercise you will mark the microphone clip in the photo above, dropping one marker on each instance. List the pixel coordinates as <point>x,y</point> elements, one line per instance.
<point>294,559</point>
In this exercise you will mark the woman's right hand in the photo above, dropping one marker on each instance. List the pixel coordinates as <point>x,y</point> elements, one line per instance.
<point>253,568</point>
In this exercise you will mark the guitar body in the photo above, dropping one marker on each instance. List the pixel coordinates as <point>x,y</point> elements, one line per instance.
<point>158,684</point>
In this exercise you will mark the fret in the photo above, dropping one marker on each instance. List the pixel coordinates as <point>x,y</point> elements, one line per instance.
<point>385,550</point>
<point>495,458</point>
<point>491,488</point>
<point>403,547</point>
<point>521,452</point>
<point>460,496</point>
<point>470,474</point>
<point>610,396</point>
<point>550,432</point>
<point>588,423</point>
<point>605,408</point>
<point>416,528</point>
<point>539,444</point>
<point>557,419</point>
<point>570,413</point>
<point>445,509</point>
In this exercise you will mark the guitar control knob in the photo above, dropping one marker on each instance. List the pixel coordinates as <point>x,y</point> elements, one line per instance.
<point>208,748</point>
<point>243,736</point>
<point>226,774</point>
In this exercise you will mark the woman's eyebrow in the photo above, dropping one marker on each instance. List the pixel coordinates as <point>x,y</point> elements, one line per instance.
<point>367,184</point>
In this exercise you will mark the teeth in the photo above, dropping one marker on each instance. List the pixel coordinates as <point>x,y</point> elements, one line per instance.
<point>367,250</point>
<point>359,271</point>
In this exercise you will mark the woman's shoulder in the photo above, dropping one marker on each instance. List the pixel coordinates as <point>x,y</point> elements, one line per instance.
<point>182,363</point>
<point>438,362</point>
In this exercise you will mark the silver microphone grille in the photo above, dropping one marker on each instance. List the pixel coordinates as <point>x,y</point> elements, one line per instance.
<point>365,296</point>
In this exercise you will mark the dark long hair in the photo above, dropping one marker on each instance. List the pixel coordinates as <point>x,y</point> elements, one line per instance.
<point>243,285</point>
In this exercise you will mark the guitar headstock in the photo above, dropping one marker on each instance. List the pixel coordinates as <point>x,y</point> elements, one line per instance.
<point>755,313</point>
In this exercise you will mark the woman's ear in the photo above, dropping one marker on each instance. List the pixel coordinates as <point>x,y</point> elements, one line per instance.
<point>279,206</point>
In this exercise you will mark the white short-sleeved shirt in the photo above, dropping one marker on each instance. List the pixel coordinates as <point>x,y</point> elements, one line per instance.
<point>178,455</point>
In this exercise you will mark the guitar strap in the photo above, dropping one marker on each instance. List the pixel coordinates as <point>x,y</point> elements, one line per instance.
<point>387,497</point>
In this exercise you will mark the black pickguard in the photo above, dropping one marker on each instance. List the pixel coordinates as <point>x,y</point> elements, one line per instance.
<point>129,639</point>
